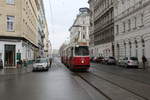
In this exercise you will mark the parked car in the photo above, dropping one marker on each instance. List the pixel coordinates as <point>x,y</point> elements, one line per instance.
<point>105,60</point>
<point>111,60</point>
<point>91,59</point>
<point>41,64</point>
<point>129,62</point>
<point>94,59</point>
<point>120,61</point>
<point>99,59</point>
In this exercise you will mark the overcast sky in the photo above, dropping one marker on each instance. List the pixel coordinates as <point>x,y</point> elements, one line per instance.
<point>61,18</point>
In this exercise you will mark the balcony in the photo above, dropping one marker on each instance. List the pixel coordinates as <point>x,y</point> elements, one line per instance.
<point>136,7</point>
<point>41,32</point>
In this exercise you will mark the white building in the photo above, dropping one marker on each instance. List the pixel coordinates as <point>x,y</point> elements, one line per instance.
<point>91,33</point>
<point>10,48</point>
<point>132,28</point>
<point>102,28</point>
<point>79,32</point>
<point>49,49</point>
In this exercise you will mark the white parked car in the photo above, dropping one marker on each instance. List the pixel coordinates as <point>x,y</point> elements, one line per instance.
<point>129,62</point>
<point>41,64</point>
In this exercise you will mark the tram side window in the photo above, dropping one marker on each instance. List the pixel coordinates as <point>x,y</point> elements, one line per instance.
<point>71,52</point>
<point>81,51</point>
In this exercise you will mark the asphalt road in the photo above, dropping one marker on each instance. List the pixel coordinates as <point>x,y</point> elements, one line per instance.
<point>101,82</point>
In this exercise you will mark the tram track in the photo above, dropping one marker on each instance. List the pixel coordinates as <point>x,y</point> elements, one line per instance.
<point>87,82</point>
<point>97,89</point>
<point>123,76</point>
<point>100,91</point>
<point>120,86</point>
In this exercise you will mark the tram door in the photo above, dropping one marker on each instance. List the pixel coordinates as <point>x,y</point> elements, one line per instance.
<point>9,56</point>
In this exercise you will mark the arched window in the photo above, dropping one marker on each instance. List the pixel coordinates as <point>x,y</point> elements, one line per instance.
<point>125,48</point>
<point>136,46</point>
<point>118,51</point>
<point>143,46</point>
<point>130,45</point>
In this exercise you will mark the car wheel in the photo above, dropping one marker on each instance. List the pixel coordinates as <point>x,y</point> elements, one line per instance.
<point>33,70</point>
<point>47,69</point>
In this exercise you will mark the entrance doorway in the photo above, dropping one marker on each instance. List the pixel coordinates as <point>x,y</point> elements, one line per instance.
<point>9,56</point>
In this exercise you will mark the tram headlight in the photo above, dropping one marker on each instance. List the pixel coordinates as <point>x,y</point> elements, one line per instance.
<point>82,61</point>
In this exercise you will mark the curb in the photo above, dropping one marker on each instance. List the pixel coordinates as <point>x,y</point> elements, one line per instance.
<point>24,71</point>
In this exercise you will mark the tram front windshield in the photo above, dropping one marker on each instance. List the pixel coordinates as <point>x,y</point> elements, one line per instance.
<point>81,51</point>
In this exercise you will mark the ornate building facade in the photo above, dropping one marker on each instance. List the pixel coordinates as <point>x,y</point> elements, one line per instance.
<point>132,28</point>
<point>91,29</point>
<point>102,13</point>
<point>79,31</point>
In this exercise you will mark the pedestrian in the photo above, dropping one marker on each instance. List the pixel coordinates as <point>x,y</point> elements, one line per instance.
<point>19,63</point>
<point>25,63</point>
<point>144,60</point>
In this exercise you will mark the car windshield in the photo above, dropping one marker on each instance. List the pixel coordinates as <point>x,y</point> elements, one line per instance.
<point>100,57</point>
<point>133,58</point>
<point>82,51</point>
<point>111,57</point>
<point>40,61</point>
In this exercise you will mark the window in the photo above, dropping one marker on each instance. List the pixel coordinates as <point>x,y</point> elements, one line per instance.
<point>129,24</point>
<point>130,45</point>
<point>117,29</point>
<point>10,1</point>
<point>10,23</point>
<point>124,26</point>
<point>135,22</point>
<point>82,51</point>
<point>136,48</point>
<point>142,20</point>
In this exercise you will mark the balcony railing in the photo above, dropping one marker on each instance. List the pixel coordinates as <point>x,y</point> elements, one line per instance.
<point>101,26</point>
<point>103,12</point>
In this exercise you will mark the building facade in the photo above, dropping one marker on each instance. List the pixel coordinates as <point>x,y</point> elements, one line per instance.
<point>103,32</point>
<point>132,28</point>
<point>79,31</point>
<point>91,29</point>
<point>19,30</point>
<point>46,41</point>
<point>42,26</point>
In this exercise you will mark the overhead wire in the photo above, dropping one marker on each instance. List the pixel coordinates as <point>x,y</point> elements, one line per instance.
<point>52,20</point>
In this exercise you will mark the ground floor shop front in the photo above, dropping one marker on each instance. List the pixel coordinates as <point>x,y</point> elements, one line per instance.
<point>104,50</point>
<point>12,50</point>
<point>133,46</point>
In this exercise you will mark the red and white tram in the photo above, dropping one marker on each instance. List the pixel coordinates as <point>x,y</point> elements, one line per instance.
<point>76,56</point>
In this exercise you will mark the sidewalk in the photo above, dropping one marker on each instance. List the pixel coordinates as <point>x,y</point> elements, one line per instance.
<point>16,70</point>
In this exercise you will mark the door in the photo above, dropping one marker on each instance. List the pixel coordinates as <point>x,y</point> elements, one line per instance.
<point>9,56</point>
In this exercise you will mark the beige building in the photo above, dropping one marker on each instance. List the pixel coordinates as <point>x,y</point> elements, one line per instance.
<point>47,43</point>
<point>21,30</point>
